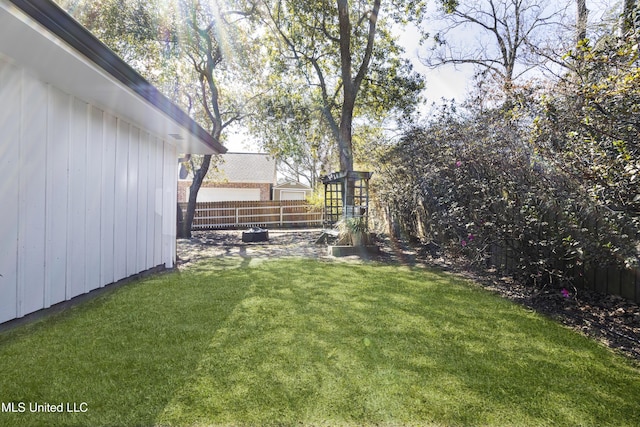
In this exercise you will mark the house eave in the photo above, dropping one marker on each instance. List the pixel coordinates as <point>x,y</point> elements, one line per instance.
<point>63,53</point>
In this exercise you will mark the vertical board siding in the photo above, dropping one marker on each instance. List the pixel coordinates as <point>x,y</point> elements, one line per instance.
<point>120,201</point>
<point>151,201</point>
<point>32,188</point>
<point>132,200</point>
<point>141,227</point>
<point>108,207</point>
<point>93,182</point>
<point>10,94</point>
<point>77,199</point>
<point>159,173</point>
<point>57,194</point>
<point>88,198</point>
<point>170,206</point>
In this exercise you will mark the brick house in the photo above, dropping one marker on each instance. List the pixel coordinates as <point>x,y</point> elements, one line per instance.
<point>240,177</point>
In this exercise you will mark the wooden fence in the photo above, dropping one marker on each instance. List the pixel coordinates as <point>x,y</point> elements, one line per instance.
<point>245,214</point>
<point>594,275</point>
<point>606,279</point>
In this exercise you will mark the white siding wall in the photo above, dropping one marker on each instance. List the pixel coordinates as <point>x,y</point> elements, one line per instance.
<point>58,131</point>
<point>87,198</point>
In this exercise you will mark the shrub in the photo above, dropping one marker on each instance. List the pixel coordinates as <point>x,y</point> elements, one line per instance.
<point>476,186</point>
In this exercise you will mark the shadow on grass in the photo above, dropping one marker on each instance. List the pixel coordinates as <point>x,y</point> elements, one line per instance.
<point>124,354</point>
<point>341,344</point>
<point>243,341</point>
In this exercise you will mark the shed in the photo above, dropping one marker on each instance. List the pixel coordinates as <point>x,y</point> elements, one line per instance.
<point>290,190</point>
<point>89,160</point>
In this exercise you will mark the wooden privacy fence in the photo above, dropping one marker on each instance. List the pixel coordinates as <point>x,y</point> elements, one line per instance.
<point>611,280</point>
<point>244,214</point>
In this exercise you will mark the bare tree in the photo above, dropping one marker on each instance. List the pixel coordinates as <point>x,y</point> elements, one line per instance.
<point>505,33</point>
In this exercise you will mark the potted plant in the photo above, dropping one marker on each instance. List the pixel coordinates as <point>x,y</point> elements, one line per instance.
<point>353,231</point>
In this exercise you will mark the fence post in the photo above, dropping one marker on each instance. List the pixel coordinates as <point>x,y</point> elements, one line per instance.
<point>237,217</point>
<point>281,216</point>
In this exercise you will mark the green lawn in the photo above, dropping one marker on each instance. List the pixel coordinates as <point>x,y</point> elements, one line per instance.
<point>312,343</point>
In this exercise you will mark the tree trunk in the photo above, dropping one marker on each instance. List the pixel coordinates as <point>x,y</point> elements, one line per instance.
<point>581,20</point>
<point>351,86</point>
<point>349,89</point>
<point>198,178</point>
<point>346,151</point>
<point>345,142</point>
<point>626,23</point>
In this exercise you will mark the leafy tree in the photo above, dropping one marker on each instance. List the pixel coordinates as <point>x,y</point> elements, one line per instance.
<point>143,33</point>
<point>590,122</point>
<point>345,62</point>
<point>208,41</point>
<point>191,50</point>
<point>292,129</point>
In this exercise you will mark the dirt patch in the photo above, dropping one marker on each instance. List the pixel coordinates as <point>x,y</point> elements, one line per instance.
<point>612,320</point>
<point>281,244</point>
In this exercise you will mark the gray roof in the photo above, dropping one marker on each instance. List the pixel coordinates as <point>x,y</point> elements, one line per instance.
<point>293,185</point>
<point>247,167</point>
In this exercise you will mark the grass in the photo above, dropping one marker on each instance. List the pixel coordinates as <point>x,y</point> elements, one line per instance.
<point>313,343</point>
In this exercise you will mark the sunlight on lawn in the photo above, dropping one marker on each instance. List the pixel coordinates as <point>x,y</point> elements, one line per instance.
<point>360,344</point>
<point>306,342</point>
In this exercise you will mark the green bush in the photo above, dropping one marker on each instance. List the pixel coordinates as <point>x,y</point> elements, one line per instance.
<point>475,185</point>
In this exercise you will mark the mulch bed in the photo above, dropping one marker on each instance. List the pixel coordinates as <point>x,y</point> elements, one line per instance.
<point>610,319</point>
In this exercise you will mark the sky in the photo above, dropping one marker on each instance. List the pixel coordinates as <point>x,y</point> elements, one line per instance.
<point>444,82</point>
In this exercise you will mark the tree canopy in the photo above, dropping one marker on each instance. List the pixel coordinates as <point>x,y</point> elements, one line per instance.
<point>190,49</point>
<point>321,72</point>
<point>338,62</point>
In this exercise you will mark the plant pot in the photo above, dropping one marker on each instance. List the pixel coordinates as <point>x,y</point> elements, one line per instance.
<point>357,238</point>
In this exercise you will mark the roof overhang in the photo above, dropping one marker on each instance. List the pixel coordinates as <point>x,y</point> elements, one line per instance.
<point>292,185</point>
<point>38,35</point>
